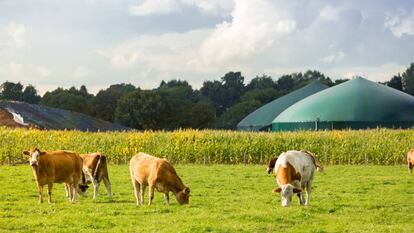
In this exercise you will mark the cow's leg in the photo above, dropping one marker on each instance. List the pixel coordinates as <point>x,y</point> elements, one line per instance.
<point>167,198</point>
<point>66,190</point>
<point>107,186</point>
<point>301,195</point>
<point>95,188</point>
<point>40,187</point>
<point>410,167</point>
<point>151,188</point>
<point>137,187</point>
<point>74,190</point>
<point>142,194</point>
<point>301,198</point>
<point>69,191</point>
<point>49,189</point>
<point>308,192</point>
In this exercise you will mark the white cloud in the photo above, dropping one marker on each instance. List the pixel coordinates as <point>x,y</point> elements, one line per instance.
<point>215,7</point>
<point>199,40</point>
<point>15,70</point>
<point>336,57</point>
<point>329,13</point>
<point>376,73</point>
<point>151,7</point>
<point>82,72</point>
<point>400,23</point>
<point>255,26</point>
<point>17,35</point>
<point>42,71</point>
<point>168,52</point>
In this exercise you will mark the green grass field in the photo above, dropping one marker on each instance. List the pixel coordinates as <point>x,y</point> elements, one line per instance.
<point>224,198</point>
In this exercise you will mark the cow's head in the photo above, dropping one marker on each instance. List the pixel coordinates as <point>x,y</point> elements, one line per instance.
<point>82,188</point>
<point>271,165</point>
<point>287,191</point>
<point>34,155</point>
<point>183,196</point>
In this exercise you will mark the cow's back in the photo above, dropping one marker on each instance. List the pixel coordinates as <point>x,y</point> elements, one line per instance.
<point>300,161</point>
<point>63,165</point>
<point>144,166</point>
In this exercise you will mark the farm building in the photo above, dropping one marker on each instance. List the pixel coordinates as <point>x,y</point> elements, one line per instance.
<point>355,104</point>
<point>261,119</point>
<point>24,115</point>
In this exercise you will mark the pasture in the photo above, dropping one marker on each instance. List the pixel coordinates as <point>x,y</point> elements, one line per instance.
<point>224,198</point>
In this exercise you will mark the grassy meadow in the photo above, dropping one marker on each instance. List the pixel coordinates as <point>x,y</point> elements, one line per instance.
<point>224,198</point>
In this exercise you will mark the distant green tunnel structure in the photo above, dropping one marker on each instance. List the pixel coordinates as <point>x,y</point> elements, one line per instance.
<point>261,119</point>
<point>355,104</point>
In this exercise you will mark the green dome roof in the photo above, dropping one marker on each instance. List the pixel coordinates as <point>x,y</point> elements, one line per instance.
<point>358,100</point>
<point>262,117</point>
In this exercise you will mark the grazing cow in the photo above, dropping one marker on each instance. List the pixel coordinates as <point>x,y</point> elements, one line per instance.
<point>96,170</point>
<point>56,167</point>
<point>147,170</point>
<point>294,171</point>
<point>410,160</point>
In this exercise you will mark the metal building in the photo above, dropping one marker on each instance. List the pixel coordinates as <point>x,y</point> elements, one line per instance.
<point>261,119</point>
<point>355,104</point>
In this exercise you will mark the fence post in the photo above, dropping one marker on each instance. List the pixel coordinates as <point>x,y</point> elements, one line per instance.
<point>9,159</point>
<point>125,159</point>
<point>205,160</point>
<point>245,159</point>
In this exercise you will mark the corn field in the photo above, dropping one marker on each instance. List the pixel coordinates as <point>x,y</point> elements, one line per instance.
<point>380,146</point>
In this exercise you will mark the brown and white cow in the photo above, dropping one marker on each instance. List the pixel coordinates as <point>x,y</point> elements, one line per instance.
<point>294,171</point>
<point>95,169</point>
<point>56,167</point>
<point>147,170</point>
<point>410,160</point>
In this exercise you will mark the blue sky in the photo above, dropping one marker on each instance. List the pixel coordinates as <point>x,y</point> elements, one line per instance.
<point>66,43</point>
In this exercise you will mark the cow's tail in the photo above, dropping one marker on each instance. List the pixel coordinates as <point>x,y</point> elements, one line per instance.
<point>318,165</point>
<point>101,163</point>
<point>83,178</point>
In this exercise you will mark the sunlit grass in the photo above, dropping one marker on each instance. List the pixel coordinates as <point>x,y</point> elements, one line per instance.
<point>224,198</point>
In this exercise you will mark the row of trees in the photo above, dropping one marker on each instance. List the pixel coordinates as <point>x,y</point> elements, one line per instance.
<point>175,104</point>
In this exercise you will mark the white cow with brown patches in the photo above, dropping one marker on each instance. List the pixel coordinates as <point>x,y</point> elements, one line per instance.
<point>294,171</point>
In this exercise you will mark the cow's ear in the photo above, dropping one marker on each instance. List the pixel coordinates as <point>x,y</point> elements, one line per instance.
<point>277,190</point>
<point>295,190</point>
<point>186,190</point>
<point>26,152</point>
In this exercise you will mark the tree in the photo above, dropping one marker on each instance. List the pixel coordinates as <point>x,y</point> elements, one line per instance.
<point>262,82</point>
<point>408,80</point>
<point>236,113</point>
<point>140,109</point>
<point>262,95</point>
<point>71,99</point>
<point>202,115</point>
<point>395,82</point>
<point>104,104</point>
<point>233,88</point>
<point>11,91</point>
<point>212,91</point>
<point>178,98</point>
<point>286,82</point>
<point>339,81</point>
<point>30,95</point>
